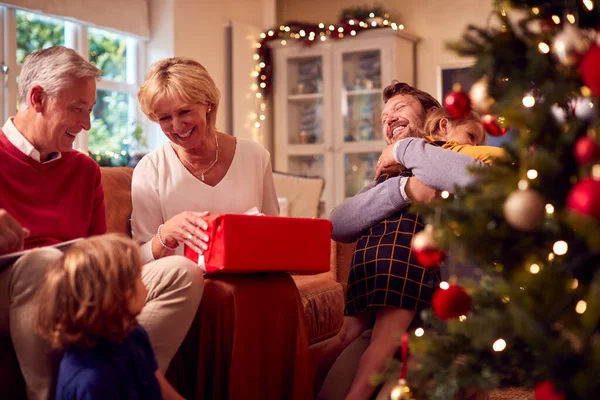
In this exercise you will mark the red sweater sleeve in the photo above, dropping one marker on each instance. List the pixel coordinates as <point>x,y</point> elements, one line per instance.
<point>98,221</point>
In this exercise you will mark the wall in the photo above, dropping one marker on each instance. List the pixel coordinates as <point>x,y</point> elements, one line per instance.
<point>434,21</point>
<point>196,29</point>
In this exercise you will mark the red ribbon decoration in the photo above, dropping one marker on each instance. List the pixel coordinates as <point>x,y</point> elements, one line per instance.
<point>404,355</point>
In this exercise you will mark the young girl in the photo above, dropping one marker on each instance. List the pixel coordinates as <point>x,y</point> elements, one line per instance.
<point>384,274</point>
<point>88,306</point>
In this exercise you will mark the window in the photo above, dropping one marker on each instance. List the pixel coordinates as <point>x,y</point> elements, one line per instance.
<point>116,130</point>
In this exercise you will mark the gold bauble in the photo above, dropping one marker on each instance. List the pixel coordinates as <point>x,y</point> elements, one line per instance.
<point>480,97</point>
<point>401,391</point>
<point>525,210</point>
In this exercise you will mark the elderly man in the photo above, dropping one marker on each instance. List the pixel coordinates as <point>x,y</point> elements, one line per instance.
<point>388,300</point>
<point>51,194</point>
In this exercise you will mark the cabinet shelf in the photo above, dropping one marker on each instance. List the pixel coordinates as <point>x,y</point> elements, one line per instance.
<point>359,92</point>
<point>305,96</point>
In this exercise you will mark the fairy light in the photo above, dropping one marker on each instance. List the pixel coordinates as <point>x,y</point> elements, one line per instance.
<point>254,87</point>
<point>262,117</point>
<point>258,95</point>
<point>400,26</point>
<point>534,269</point>
<point>331,27</point>
<point>257,124</point>
<point>506,299</point>
<point>549,209</point>
<point>373,23</point>
<point>302,33</point>
<point>445,194</point>
<point>256,57</point>
<point>321,25</point>
<point>287,28</point>
<point>523,184</point>
<point>394,26</point>
<point>589,4</point>
<point>462,318</point>
<point>444,285</point>
<point>499,345</point>
<point>571,18</point>
<point>341,29</point>
<point>556,19</point>
<point>271,33</point>
<point>323,38</point>
<point>535,10</point>
<point>560,248</point>
<point>353,32</point>
<point>262,65</point>
<point>371,15</point>
<point>283,42</point>
<point>543,48</point>
<point>529,101</point>
<point>263,35</point>
<point>532,174</point>
<point>419,332</point>
<point>551,257</point>
<point>580,307</point>
<point>574,284</point>
<point>263,85</point>
<point>385,22</point>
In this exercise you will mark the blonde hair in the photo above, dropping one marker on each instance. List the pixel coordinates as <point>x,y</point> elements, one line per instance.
<point>432,122</point>
<point>86,292</point>
<point>52,69</point>
<point>179,78</point>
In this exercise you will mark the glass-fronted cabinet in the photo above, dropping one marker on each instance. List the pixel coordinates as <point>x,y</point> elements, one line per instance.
<point>328,102</point>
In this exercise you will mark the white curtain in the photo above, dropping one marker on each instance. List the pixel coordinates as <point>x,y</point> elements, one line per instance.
<point>127,16</point>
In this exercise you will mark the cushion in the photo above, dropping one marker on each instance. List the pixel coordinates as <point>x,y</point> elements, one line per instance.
<point>303,193</point>
<point>116,182</point>
<point>323,301</point>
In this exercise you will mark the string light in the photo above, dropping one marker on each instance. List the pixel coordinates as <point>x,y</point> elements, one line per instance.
<point>535,10</point>
<point>529,101</point>
<point>560,248</point>
<point>543,48</point>
<point>445,194</point>
<point>499,345</point>
<point>551,257</point>
<point>532,174</point>
<point>444,285</point>
<point>462,318</point>
<point>549,209</point>
<point>589,4</point>
<point>580,307</point>
<point>556,19</point>
<point>534,268</point>
<point>523,184</point>
<point>419,332</point>
<point>506,299</point>
<point>571,18</point>
<point>574,284</point>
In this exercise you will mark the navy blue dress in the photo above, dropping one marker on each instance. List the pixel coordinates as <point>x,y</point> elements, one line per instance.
<point>112,371</point>
<point>383,270</point>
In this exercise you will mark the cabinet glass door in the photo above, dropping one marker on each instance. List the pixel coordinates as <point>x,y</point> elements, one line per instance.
<point>359,171</point>
<point>307,165</point>
<point>305,101</point>
<point>362,96</point>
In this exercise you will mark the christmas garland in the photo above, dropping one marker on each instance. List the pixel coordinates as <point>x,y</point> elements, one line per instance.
<point>352,21</point>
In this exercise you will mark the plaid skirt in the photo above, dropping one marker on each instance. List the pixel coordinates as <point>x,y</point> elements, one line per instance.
<point>384,272</point>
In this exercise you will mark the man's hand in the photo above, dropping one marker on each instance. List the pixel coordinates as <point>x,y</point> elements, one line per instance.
<point>12,234</point>
<point>418,192</point>
<point>386,159</point>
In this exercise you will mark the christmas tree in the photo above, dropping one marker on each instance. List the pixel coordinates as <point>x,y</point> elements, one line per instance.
<point>530,222</point>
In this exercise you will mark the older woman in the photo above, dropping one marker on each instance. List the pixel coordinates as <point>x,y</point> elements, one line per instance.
<point>199,171</point>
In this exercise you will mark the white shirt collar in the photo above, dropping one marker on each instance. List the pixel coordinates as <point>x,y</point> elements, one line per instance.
<point>20,142</point>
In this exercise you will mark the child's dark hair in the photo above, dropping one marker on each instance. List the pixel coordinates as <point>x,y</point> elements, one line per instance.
<point>86,292</point>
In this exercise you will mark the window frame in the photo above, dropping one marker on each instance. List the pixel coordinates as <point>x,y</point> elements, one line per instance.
<point>76,37</point>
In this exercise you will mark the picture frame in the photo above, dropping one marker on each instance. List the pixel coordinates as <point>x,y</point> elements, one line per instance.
<point>451,73</point>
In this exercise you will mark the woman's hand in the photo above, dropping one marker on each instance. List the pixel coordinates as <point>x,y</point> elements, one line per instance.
<point>386,159</point>
<point>188,227</point>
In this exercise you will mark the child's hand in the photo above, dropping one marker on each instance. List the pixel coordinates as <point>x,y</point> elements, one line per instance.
<point>387,159</point>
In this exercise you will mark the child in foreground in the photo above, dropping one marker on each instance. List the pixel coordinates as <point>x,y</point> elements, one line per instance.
<point>88,306</point>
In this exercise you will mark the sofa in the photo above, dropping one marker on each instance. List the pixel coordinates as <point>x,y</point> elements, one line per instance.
<point>322,295</point>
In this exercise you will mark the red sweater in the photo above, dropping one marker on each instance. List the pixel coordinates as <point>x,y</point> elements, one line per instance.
<point>57,201</point>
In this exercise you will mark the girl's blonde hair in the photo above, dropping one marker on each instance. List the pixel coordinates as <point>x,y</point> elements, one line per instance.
<point>432,122</point>
<point>86,292</point>
<point>179,78</point>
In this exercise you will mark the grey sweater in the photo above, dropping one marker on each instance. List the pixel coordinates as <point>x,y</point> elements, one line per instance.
<point>437,168</point>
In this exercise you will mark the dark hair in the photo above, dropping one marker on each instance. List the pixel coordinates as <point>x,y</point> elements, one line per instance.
<point>396,88</point>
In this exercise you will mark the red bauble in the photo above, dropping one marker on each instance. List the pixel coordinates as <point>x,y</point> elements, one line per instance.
<point>425,249</point>
<point>457,104</point>
<point>545,390</point>
<point>491,126</point>
<point>451,303</point>
<point>586,150</point>
<point>589,69</point>
<point>584,198</point>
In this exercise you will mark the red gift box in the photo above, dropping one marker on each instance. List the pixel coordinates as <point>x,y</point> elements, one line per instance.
<point>242,243</point>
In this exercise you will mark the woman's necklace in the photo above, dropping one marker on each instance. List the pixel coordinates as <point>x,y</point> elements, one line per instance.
<point>202,173</point>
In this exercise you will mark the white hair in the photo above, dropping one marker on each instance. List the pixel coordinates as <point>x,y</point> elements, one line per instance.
<point>52,69</point>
